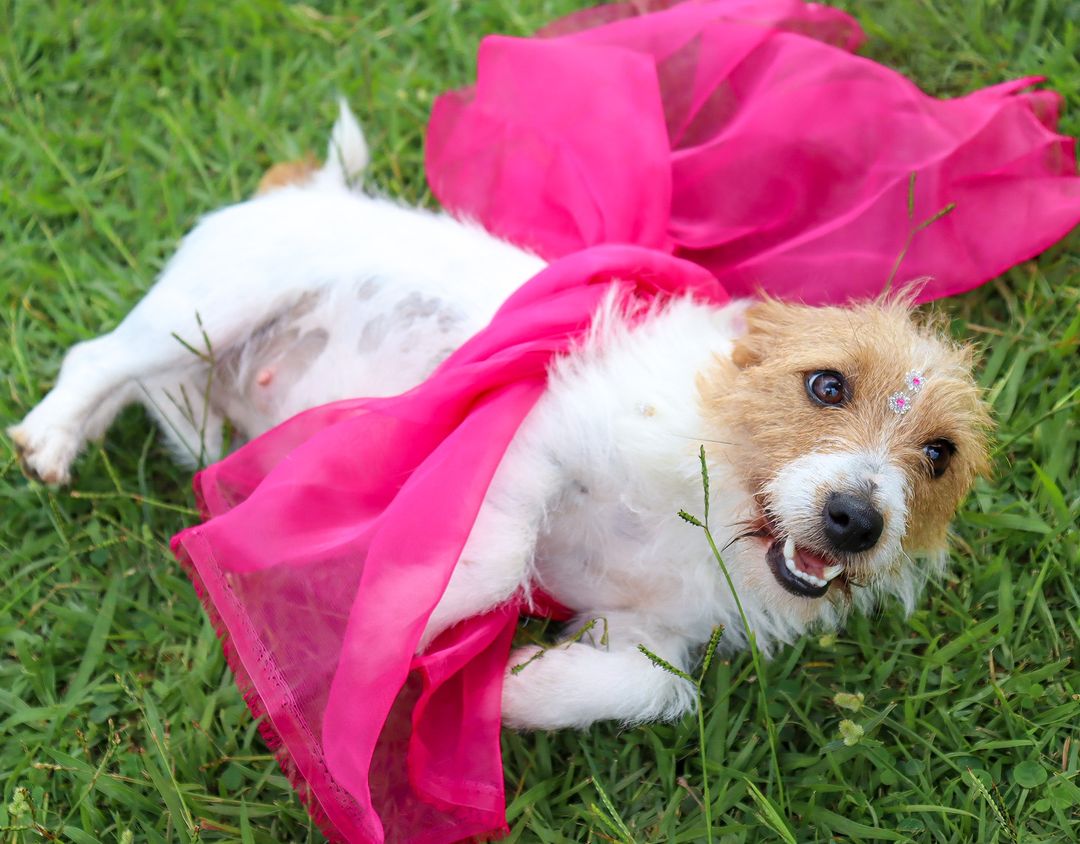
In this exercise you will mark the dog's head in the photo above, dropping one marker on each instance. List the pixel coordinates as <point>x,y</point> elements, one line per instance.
<point>858,431</point>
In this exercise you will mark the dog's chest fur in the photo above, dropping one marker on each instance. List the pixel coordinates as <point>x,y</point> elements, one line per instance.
<point>621,426</point>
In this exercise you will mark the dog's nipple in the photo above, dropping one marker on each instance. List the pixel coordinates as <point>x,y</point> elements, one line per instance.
<point>264,377</point>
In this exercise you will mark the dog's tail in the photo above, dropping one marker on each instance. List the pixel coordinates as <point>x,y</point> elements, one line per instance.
<point>346,160</point>
<point>347,152</point>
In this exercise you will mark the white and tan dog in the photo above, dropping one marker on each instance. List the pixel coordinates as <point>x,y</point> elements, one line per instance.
<point>840,440</point>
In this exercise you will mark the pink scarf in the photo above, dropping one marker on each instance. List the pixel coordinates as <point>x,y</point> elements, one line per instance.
<point>710,147</point>
<point>742,135</point>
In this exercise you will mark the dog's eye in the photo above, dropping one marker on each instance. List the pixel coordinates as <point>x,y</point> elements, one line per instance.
<point>826,387</point>
<point>938,454</point>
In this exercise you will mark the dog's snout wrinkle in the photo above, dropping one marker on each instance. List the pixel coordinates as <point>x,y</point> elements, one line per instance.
<point>851,522</point>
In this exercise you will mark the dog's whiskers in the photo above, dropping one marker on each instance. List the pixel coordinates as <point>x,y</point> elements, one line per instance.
<point>702,439</point>
<point>753,529</point>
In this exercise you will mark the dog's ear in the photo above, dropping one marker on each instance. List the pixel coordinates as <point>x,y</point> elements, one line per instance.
<point>766,321</point>
<point>283,173</point>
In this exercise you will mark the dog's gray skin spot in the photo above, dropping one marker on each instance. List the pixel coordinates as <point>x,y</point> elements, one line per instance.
<point>297,358</point>
<point>448,320</point>
<point>415,306</point>
<point>302,307</point>
<point>286,354</point>
<point>579,487</point>
<point>373,333</point>
<point>411,314</point>
<point>415,312</point>
<point>367,289</point>
<point>443,354</point>
<point>268,343</point>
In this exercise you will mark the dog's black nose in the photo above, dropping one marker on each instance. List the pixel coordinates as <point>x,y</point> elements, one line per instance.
<point>852,522</point>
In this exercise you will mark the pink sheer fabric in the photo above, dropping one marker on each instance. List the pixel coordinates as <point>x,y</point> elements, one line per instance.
<point>749,140</point>
<point>331,538</point>
<point>740,134</point>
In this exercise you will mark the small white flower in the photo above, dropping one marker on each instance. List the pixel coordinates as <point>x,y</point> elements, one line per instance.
<point>852,702</point>
<point>850,732</point>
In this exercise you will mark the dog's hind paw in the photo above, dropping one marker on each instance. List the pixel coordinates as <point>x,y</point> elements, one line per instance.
<point>45,455</point>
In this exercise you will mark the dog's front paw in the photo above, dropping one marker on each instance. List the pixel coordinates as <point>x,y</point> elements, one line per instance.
<point>522,704</point>
<point>575,685</point>
<point>45,454</point>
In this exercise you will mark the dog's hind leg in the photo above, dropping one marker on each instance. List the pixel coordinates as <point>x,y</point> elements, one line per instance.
<point>208,299</point>
<point>98,378</point>
<point>236,270</point>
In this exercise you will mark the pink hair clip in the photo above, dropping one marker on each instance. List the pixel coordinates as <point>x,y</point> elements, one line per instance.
<point>900,402</point>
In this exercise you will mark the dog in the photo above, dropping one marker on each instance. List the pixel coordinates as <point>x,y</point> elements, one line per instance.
<point>839,441</point>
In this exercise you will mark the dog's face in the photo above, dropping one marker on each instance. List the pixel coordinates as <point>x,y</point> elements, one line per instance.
<point>857,432</point>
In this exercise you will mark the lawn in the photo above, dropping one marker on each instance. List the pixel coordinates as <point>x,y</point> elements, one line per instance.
<point>122,122</point>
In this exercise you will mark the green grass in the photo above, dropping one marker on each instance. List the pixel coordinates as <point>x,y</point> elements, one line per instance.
<point>121,122</point>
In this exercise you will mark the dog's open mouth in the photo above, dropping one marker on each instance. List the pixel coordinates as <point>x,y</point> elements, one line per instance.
<point>799,570</point>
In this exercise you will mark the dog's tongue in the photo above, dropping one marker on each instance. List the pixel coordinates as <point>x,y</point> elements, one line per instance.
<point>810,563</point>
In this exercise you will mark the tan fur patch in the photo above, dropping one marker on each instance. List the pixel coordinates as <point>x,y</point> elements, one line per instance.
<point>285,173</point>
<point>759,400</point>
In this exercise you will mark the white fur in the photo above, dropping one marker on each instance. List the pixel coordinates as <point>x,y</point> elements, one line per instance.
<point>316,293</point>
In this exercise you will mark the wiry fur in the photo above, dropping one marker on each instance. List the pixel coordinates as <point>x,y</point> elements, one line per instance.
<point>315,292</point>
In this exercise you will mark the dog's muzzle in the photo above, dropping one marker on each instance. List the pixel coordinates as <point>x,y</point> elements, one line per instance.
<point>828,511</point>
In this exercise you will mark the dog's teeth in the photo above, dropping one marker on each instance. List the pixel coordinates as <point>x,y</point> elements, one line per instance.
<point>805,577</point>
<point>832,572</point>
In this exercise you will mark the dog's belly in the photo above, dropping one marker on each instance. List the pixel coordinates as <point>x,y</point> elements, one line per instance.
<point>367,338</point>
<point>373,297</point>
